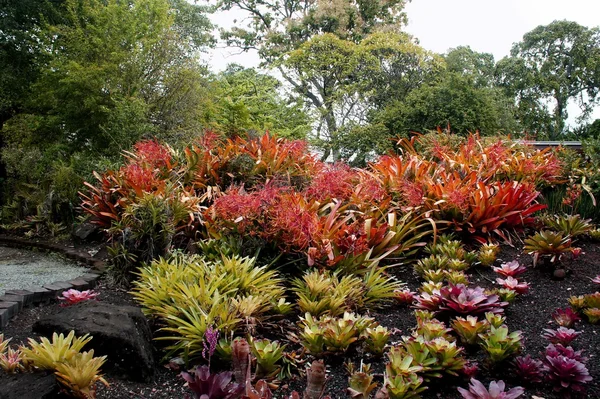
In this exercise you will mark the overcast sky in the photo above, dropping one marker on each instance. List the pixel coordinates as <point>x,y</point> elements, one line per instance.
<point>490,26</point>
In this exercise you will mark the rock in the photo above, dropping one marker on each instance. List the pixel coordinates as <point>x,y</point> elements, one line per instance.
<point>122,333</point>
<point>30,386</point>
<point>560,274</point>
<point>86,232</point>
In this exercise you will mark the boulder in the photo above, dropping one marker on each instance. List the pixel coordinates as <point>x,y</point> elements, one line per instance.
<point>122,333</point>
<point>29,386</point>
<point>85,232</point>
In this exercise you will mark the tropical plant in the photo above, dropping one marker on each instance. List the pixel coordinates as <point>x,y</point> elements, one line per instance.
<point>569,225</point>
<point>495,320</point>
<point>547,244</point>
<point>496,391</point>
<point>72,296</point>
<point>405,296</point>
<point>46,355</point>
<point>460,300</point>
<point>191,294</point>
<point>499,344</point>
<point>510,269</point>
<point>513,284</point>
<point>267,354</point>
<point>577,303</point>
<point>565,317</point>
<point>376,339</point>
<point>3,343</point>
<point>11,360</point>
<point>528,370</point>
<point>562,335</point>
<point>203,384</point>
<point>593,315</point>
<point>431,329</point>
<point>566,371</point>
<point>469,328</point>
<point>80,374</point>
<point>401,380</point>
<point>360,383</point>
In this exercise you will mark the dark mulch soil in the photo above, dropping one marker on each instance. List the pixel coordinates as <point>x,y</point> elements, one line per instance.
<point>531,313</point>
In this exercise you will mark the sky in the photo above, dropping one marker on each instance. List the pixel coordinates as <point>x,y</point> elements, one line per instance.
<point>490,26</point>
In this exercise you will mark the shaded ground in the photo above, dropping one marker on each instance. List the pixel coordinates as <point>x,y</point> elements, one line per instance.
<point>531,313</point>
<point>20,268</point>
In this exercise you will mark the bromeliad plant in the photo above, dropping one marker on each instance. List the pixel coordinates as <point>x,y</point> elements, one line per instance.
<point>496,391</point>
<point>547,244</point>
<point>510,269</point>
<point>459,300</point>
<point>376,339</point>
<point>77,371</point>
<point>268,354</point>
<point>80,374</point>
<point>499,344</point>
<point>72,296</point>
<point>203,384</point>
<point>469,328</point>
<point>562,335</point>
<point>565,317</point>
<point>565,369</point>
<point>11,360</point>
<point>569,225</point>
<point>528,369</point>
<point>332,334</point>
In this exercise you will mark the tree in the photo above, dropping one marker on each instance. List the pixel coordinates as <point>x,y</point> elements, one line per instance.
<point>113,71</point>
<point>554,64</point>
<point>452,100</point>
<point>341,56</point>
<point>248,100</point>
<point>106,73</point>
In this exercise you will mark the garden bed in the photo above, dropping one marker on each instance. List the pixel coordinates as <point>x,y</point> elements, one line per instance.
<point>530,313</point>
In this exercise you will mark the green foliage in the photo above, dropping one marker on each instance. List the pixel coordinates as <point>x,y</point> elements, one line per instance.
<point>499,344</point>
<point>190,293</point>
<point>323,292</point>
<point>268,354</point>
<point>558,62</point>
<point>376,339</point>
<point>46,355</point>
<point>332,334</point>
<point>469,328</point>
<point>569,225</point>
<point>548,244</point>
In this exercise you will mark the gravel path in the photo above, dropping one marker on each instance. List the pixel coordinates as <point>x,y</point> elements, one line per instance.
<point>21,268</point>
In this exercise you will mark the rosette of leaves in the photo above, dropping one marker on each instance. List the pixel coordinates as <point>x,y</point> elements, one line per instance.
<point>468,328</point>
<point>565,317</point>
<point>360,383</point>
<point>499,344</point>
<point>401,379</point>
<point>81,373</point>
<point>528,369</point>
<point>376,339</point>
<point>459,300</point>
<point>562,335</point>
<point>496,391</point>
<point>267,354</point>
<point>548,244</point>
<point>565,369</point>
<point>431,329</point>
<point>569,225</point>
<point>510,269</point>
<point>205,385</point>
<point>11,360</point>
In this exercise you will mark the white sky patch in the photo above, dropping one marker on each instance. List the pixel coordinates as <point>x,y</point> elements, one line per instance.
<point>490,26</point>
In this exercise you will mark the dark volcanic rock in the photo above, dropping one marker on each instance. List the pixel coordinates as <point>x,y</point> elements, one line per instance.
<point>121,333</point>
<point>30,386</point>
<point>86,232</point>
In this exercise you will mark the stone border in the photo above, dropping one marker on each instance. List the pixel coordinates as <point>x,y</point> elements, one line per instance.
<point>13,301</point>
